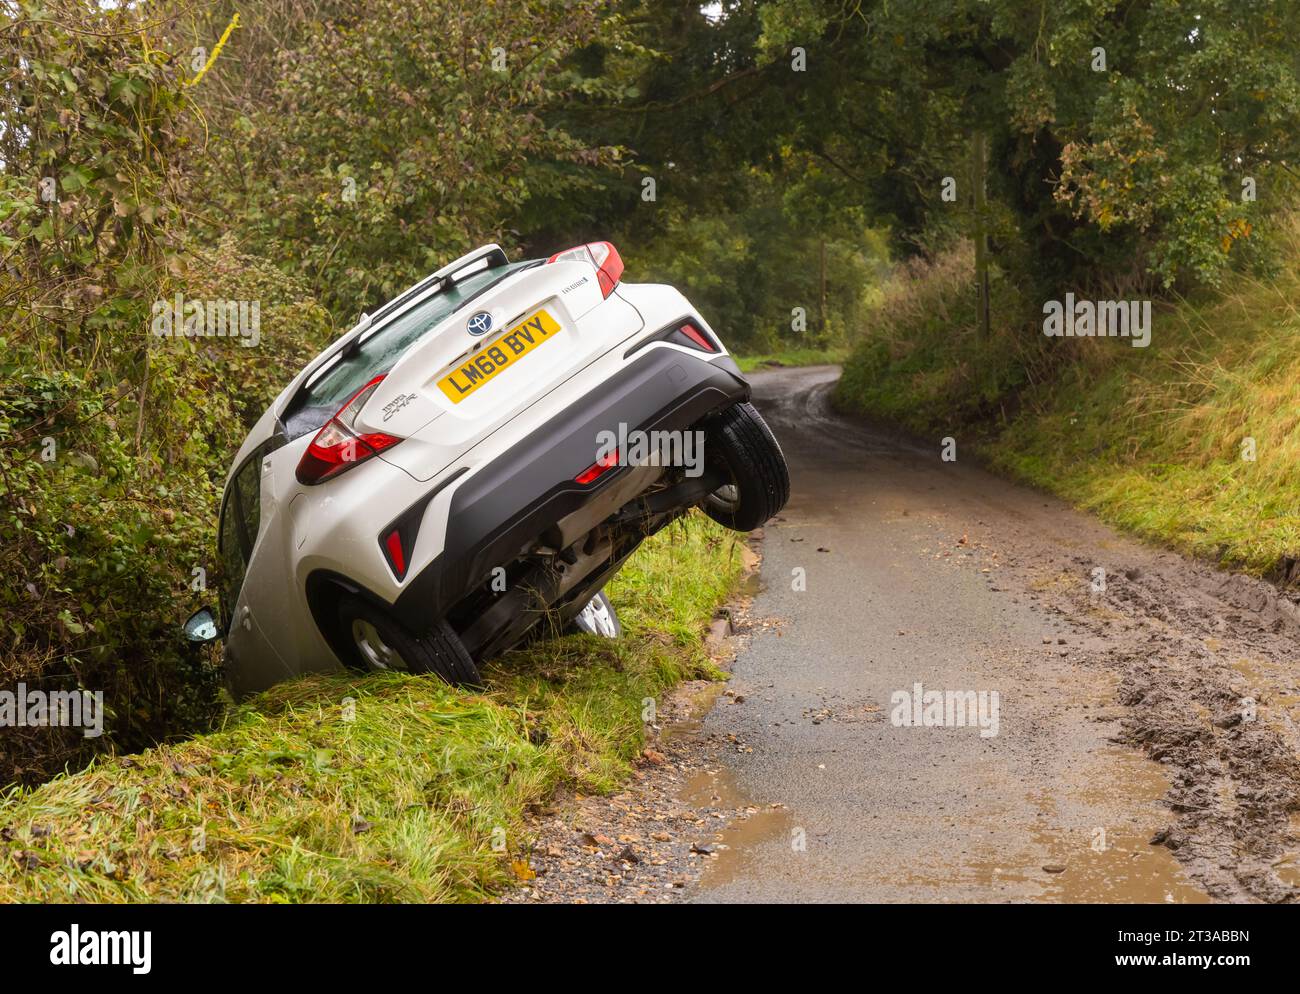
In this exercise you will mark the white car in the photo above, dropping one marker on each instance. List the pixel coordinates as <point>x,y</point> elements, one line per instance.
<point>447,474</point>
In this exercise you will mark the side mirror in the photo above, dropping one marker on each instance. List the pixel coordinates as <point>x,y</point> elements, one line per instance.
<point>202,627</point>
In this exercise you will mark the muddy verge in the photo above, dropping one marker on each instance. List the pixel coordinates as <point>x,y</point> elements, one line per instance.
<point>1212,691</point>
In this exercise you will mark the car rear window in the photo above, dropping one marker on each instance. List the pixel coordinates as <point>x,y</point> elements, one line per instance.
<point>381,348</point>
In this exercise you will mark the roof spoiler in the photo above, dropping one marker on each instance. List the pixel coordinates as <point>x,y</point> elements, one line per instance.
<point>450,273</point>
<point>350,340</point>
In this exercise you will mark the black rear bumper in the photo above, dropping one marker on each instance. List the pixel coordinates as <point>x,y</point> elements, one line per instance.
<point>504,506</point>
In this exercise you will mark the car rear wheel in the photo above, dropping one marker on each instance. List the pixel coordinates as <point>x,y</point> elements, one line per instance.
<point>598,617</point>
<point>740,443</point>
<point>379,643</point>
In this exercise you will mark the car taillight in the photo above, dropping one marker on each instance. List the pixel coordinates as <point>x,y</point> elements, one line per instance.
<point>602,255</point>
<point>698,337</point>
<point>338,446</point>
<point>597,469</point>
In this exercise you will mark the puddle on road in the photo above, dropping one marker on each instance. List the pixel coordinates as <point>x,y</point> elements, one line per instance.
<point>750,827</point>
<point>713,789</point>
<point>1129,870</point>
<point>692,724</point>
<point>1115,862</point>
<point>739,840</point>
<point>716,789</point>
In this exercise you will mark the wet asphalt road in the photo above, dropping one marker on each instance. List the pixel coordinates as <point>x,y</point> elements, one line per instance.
<point>921,571</point>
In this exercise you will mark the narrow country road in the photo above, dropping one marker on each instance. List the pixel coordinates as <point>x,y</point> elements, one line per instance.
<point>1145,746</point>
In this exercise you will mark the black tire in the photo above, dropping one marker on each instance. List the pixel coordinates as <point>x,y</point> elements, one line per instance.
<point>580,623</point>
<point>438,651</point>
<point>739,442</point>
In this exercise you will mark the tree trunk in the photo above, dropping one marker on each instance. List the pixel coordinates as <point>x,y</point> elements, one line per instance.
<point>981,234</point>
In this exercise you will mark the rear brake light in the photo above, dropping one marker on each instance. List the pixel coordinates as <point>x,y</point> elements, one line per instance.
<point>338,446</point>
<point>696,336</point>
<point>601,466</point>
<point>602,255</point>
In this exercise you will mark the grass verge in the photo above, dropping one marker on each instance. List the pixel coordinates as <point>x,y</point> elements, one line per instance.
<point>375,788</point>
<point>792,357</point>
<point>1190,442</point>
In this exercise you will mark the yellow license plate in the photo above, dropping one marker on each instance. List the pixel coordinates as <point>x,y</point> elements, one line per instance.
<point>504,352</point>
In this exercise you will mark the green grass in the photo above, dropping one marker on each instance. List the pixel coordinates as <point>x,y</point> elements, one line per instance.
<point>1149,439</point>
<point>792,357</point>
<point>398,794</point>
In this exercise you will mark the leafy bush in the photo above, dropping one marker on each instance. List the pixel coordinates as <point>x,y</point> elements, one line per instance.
<point>113,442</point>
